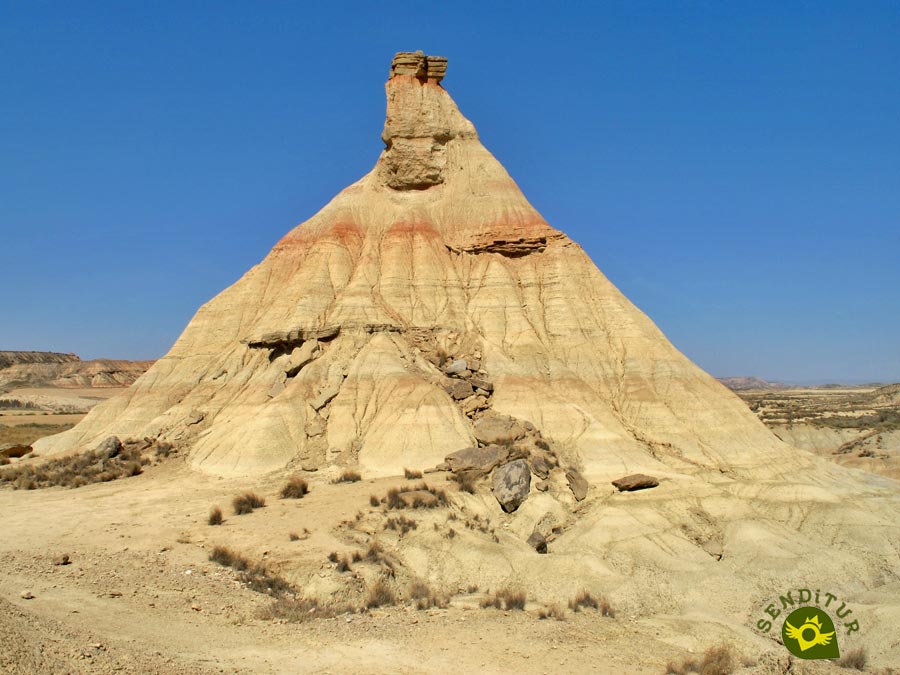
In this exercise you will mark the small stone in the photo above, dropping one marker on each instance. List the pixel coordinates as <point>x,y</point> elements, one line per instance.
<point>538,542</point>
<point>577,484</point>
<point>542,485</point>
<point>196,607</point>
<point>636,481</point>
<point>482,383</point>
<point>27,595</point>
<point>62,559</point>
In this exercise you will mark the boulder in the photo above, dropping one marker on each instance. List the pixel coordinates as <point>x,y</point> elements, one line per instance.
<point>512,481</point>
<point>636,481</point>
<point>477,459</point>
<point>458,389</point>
<point>109,448</point>
<point>577,484</point>
<point>538,542</point>
<point>456,367</point>
<point>494,428</point>
<point>325,396</point>
<point>481,383</point>
<point>473,404</point>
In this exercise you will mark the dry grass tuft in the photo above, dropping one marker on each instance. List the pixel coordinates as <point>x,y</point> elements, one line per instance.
<point>855,659</point>
<point>554,611</point>
<point>466,480</point>
<point>215,516</point>
<point>506,599</point>
<point>293,536</point>
<point>401,524</point>
<point>424,596</point>
<point>348,477</point>
<point>718,660</point>
<point>411,474</point>
<point>380,594</point>
<point>246,503</point>
<point>295,488</point>
<point>585,600</point>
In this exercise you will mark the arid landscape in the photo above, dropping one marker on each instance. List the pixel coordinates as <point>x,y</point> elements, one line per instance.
<point>426,434</point>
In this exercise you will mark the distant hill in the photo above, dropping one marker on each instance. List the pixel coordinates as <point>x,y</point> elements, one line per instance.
<point>65,371</point>
<point>749,383</point>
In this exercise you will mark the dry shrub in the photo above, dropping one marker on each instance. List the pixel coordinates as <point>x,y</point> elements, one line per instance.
<point>466,480</point>
<point>293,536</point>
<point>717,660</point>
<point>380,594</point>
<point>606,609</point>
<point>254,575</point>
<point>246,503</point>
<point>215,516</point>
<point>855,659</point>
<point>583,599</point>
<point>333,557</point>
<point>425,597</point>
<point>554,611</point>
<point>295,488</point>
<point>401,523</point>
<point>374,501</point>
<point>343,565</point>
<point>411,474</point>
<point>506,599</point>
<point>348,477</point>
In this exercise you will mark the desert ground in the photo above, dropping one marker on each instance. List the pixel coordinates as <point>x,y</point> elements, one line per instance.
<point>140,595</point>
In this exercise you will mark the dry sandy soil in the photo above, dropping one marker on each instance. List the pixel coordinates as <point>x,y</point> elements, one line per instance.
<point>141,596</point>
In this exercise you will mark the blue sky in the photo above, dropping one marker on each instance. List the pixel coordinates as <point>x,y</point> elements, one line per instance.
<point>734,168</point>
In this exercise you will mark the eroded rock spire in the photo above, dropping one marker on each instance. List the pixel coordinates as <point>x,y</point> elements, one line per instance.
<point>421,120</point>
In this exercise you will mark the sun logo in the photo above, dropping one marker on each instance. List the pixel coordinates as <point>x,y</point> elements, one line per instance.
<point>809,633</point>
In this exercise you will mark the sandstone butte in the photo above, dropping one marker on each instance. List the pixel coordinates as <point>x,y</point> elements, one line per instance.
<point>429,308</point>
<point>435,248</point>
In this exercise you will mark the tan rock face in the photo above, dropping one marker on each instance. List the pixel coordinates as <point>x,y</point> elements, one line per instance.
<point>324,353</point>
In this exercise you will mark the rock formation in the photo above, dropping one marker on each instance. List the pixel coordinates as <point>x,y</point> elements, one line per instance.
<point>426,309</point>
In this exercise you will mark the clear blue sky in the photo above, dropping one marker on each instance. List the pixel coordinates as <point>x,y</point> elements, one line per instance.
<point>733,167</point>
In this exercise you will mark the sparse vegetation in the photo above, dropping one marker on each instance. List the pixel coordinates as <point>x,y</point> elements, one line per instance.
<point>585,600</point>
<point>374,501</point>
<point>254,575</point>
<point>410,474</point>
<point>299,610</point>
<point>718,660</point>
<point>395,498</point>
<point>348,476</point>
<point>506,598</point>
<point>293,536</point>
<point>295,488</point>
<point>855,659</point>
<point>401,524</point>
<point>215,516</point>
<point>247,503</point>
<point>76,471</point>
